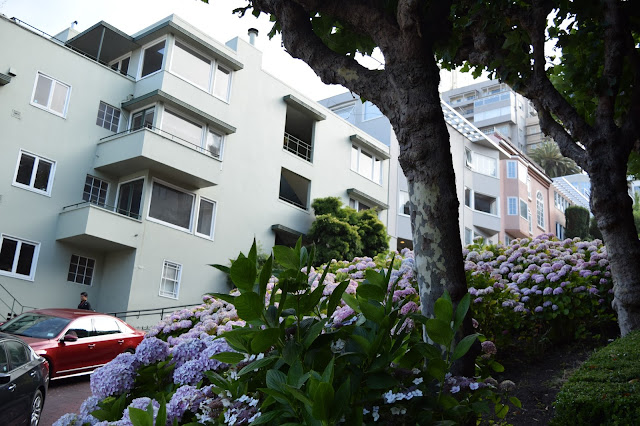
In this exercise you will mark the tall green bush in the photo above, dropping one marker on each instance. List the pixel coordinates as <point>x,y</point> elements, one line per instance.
<point>577,222</point>
<point>594,231</point>
<point>341,232</point>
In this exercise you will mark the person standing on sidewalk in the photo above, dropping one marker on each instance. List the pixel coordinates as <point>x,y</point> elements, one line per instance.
<point>84,303</point>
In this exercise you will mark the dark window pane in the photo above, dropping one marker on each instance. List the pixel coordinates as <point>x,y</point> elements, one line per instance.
<point>7,254</point>
<point>130,198</point>
<point>25,259</point>
<point>25,169</point>
<point>171,206</point>
<point>42,175</point>
<point>17,354</point>
<point>152,61</point>
<point>71,277</point>
<point>148,118</point>
<point>205,217</point>
<point>124,68</point>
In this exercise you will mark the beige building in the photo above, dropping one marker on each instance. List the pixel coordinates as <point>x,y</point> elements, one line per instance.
<point>132,162</point>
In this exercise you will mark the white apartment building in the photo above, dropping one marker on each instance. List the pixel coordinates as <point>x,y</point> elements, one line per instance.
<point>476,162</point>
<point>130,163</point>
<point>493,107</point>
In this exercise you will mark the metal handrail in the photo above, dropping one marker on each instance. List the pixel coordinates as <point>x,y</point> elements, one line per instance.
<point>113,209</point>
<point>14,302</point>
<point>297,146</point>
<point>169,136</point>
<point>152,311</point>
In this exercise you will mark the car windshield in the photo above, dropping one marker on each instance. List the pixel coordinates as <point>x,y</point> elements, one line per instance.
<point>36,325</point>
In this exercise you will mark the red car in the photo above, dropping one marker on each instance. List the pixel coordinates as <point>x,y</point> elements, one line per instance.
<point>74,341</point>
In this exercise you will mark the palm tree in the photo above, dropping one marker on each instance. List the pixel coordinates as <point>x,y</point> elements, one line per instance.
<point>548,157</point>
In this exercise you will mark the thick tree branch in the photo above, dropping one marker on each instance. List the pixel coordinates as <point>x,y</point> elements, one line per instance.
<point>565,141</point>
<point>614,49</point>
<point>302,43</point>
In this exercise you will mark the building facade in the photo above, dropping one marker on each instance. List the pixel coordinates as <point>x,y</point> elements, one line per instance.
<point>132,162</point>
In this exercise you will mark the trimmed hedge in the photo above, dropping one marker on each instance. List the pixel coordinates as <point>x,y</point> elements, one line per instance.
<point>605,390</point>
<point>577,222</point>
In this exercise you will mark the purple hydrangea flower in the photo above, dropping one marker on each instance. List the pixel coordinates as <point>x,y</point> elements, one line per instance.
<point>557,291</point>
<point>141,404</point>
<point>538,309</point>
<point>152,350</point>
<point>547,291</point>
<point>115,377</point>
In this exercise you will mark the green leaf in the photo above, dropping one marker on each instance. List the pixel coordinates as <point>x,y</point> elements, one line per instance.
<point>253,253</point>
<point>363,342</point>
<point>287,257</point>
<point>461,311</point>
<point>140,417</point>
<point>372,310</point>
<point>322,401</point>
<point>496,366</point>
<point>229,357</point>
<point>265,339</point>
<point>297,394</point>
<point>275,379</point>
<point>313,332</point>
<point>327,374</point>
<point>249,306</point>
<point>243,274</point>
<point>335,297</point>
<point>437,368</point>
<point>501,410</point>
<point>428,351</point>
<point>258,364</point>
<point>515,401</point>
<point>311,301</point>
<point>376,278</point>
<point>161,418</point>
<point>265,275</point>
<point>267,417</point>
<point>443,310</point>
<point>222,268</point>
<point>370,291</point>
<point>439,331</point>
<point>351,301</point>
<point>223,296</point>
<point>463,346</point>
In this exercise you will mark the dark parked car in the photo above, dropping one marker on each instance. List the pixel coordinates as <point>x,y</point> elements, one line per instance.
<point>74,341</point>
<point>24,380</point>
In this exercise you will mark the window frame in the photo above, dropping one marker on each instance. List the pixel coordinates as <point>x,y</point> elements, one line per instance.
<point>143,50</point>
<point>34,170</point>
<point>117,199</point>
<point>401,205</point>
<point>213,218</point>
<point>171,225</point>
<point>374,158</point>
<point>93,271</point>
<point>143,109</point>
<point>214,65</point>
<point>118,62</point>
<point>512,164</point>
<point>525,210</point>
<point>495,203</point>
<point>34,259</point>
<point>105,116</point>
<point>106,194</point>
<point>177,282</point>
<point>540,209</point>
<point>47,107</point>
<point>509,210</point>
<point>206,128</point>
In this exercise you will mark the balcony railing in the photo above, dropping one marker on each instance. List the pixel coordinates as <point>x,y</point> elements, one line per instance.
<point>124,212</point>
<point>297,146</point>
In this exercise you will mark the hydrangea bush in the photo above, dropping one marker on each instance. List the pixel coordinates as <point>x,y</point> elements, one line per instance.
<point>341,344</point>
<point>540,290</point>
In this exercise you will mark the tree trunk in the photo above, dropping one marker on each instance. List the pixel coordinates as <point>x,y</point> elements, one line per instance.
<point>611,204</point>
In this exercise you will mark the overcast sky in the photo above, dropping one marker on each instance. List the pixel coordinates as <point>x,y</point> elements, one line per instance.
<point>215,19</point>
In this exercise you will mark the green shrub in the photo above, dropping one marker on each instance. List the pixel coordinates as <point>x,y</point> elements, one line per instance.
<point>577,222</point>
<point>594,231</point>
<point>334,238</point>
<point>606,388</point>
<point>373,233</point>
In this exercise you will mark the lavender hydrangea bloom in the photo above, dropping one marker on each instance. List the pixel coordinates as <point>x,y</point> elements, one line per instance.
<point>152,350</point>
<point>69,419</point>
<point>489,348</point>
<point>538,309</point>
<point>186,398</point>
<point>557,291</point>
<point>115,377</point>
<point>141,404</point>
<point>547,291</point>
<point>186,351</point>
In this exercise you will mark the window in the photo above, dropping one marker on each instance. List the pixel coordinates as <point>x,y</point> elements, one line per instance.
<point>366,164</point>
<point>559,231</point>
<point>468,236</point>
<point>403,207</point>
<point>206,216</point>
<point>51,95</point>
<point>358,205</point>
<point>17,353</point>
<point>222,83</point>
<point>512,206</point>
<point>524,208</point>
<point>105,325</point>
<point>485,165</point>
<point>371,111</point>
<point>18,257</point>
<point>201,70</point>
<point>294,189</point>
<point>130,198</point>
<point>507,239</point>
<point>95,191</point>
<point>530,221</point>
<point>34,173</point>
<point>82,328</point>
<point>485,203</point>
<point>468,197</point>
<point>152,58</point>
<point>142,119</point>
<point>81,270</point>
<point>108,117</point>
<point>512,169</point>
<point>171,206</point>
<point>170,282</point>
<point>529,187</point>
<point>540,209</point>
<point>344,111</point>
<point>492,113</point>
<point>192,132</point>
<point>468,158</point>
<point>121,65</point>
<point>560,202</point>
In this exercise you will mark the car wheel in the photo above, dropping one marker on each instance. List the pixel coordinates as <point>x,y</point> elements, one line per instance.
<point>36,408</point>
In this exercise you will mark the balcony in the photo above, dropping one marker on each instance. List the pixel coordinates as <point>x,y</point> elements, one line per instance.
<point>164,154</point>
<point>297,146</point>
<point>486,221</point>
<point>97,228</point>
